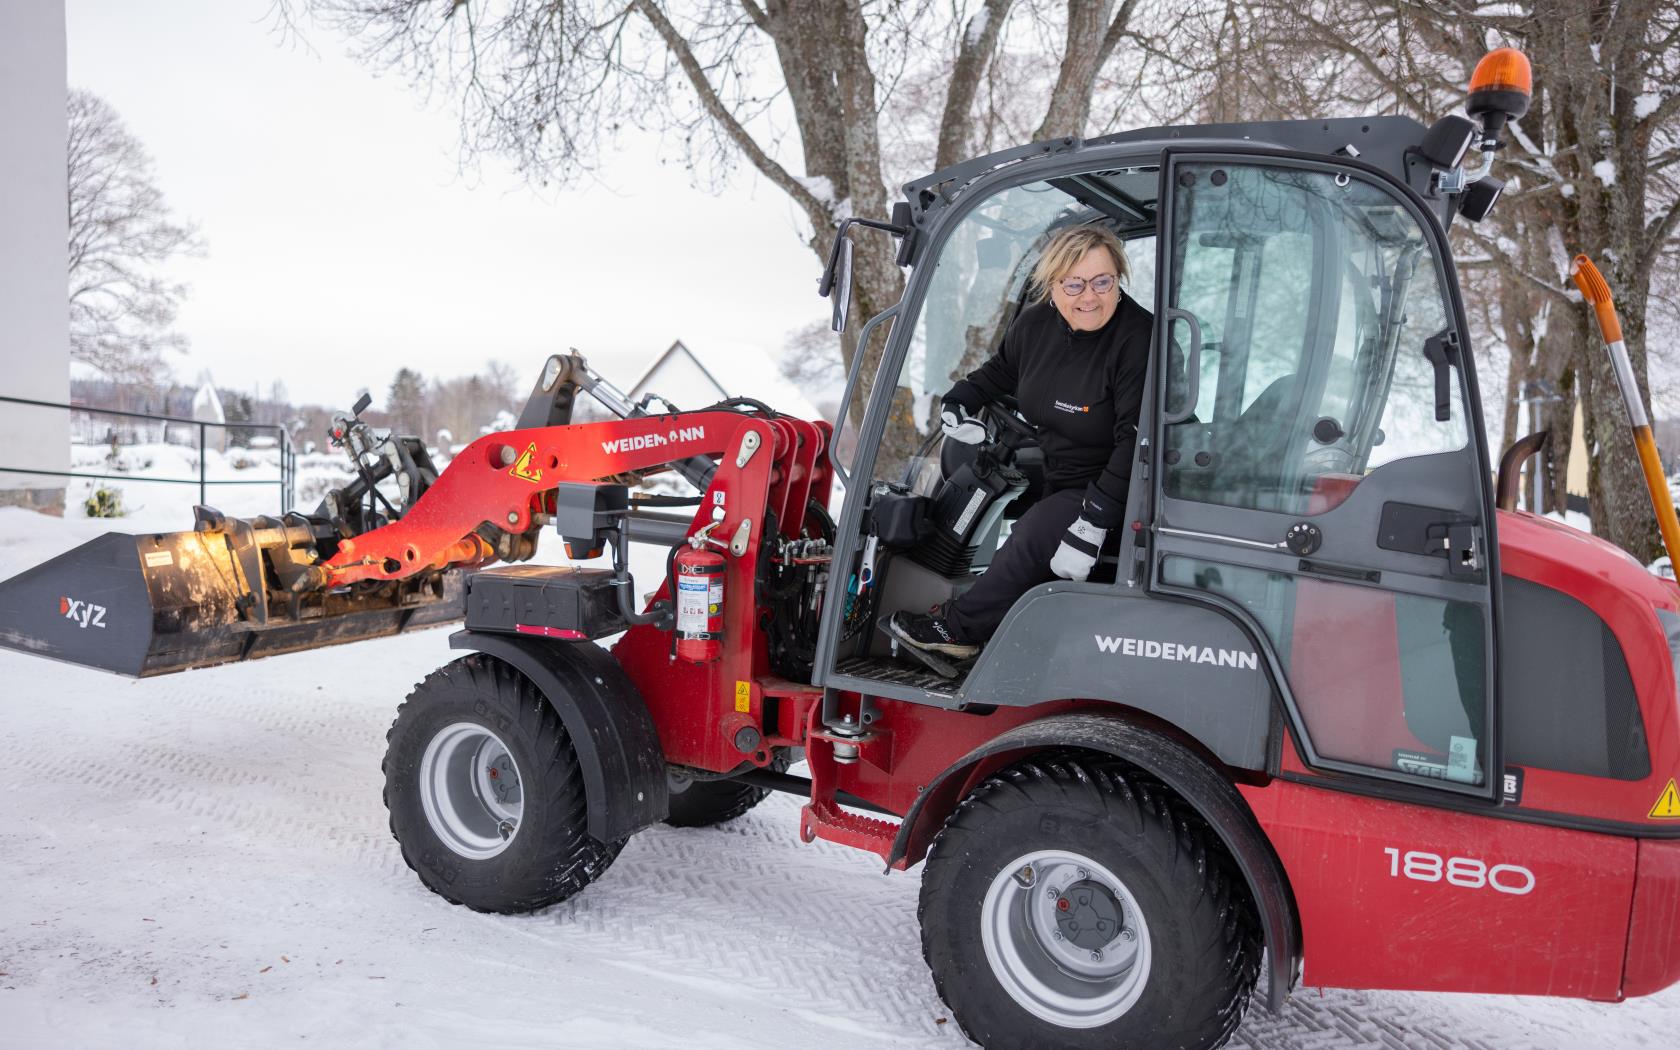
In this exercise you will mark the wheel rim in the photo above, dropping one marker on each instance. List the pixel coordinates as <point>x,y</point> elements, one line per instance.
<point>1065,938</point>
<point>471,791</point>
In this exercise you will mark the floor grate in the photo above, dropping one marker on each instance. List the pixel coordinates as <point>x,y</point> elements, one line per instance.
<point>898,672</point>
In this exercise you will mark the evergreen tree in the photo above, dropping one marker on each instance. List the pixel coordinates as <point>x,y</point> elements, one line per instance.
<point>406,403</point>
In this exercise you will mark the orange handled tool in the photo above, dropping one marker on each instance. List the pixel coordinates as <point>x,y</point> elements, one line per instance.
<point>1597,293</point>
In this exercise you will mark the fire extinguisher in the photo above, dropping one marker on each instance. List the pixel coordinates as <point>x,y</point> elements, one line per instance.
<point>699,577</point>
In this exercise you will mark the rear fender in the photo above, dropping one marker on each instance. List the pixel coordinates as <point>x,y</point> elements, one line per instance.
<point>1176,765</point>
<point>617,746</point>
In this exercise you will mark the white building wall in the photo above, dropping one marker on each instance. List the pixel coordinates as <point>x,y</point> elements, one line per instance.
<point>34,315</point>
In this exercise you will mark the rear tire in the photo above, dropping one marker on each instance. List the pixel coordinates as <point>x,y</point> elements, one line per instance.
<point>484,792</point>
<point>1072,902</point>
<point>704,803</point>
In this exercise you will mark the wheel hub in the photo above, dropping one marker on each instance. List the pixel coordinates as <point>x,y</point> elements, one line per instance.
<point>470,790</point>
<point>1088,915</point>
<point>1065,938</point>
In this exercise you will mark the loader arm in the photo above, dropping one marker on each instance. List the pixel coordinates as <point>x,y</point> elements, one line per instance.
<point>503,479</point>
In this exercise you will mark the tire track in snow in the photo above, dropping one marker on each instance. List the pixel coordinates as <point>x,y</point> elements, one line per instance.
<point>743,911</point>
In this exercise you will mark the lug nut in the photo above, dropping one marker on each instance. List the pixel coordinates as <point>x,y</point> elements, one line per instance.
<point>1096,955</point>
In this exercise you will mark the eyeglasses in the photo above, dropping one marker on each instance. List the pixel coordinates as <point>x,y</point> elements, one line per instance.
<point>1102,284</point>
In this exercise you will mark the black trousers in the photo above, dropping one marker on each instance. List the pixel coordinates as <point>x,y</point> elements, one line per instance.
<point>1022,563</point>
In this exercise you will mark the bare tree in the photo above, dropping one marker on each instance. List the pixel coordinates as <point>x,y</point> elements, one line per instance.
<point>1592,167</point>
<point>550,85</point>
<point>121,233</point>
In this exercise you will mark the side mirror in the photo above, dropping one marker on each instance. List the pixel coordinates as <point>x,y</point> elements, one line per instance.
<point>841,291</point>
<point>839,268</point>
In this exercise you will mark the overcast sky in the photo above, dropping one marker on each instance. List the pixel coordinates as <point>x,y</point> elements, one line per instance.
<point>343,241</point>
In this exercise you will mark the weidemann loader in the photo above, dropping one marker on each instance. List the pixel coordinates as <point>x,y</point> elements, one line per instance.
<point>1331,709</point>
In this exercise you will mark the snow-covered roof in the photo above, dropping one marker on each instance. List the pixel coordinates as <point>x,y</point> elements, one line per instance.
<point>694,379</point>
<point>207,404</point>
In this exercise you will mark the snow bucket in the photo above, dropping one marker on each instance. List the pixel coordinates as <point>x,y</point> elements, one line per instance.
<point>163,602</point>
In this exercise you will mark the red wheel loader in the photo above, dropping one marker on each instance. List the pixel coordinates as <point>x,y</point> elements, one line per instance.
<point>1331,709</point>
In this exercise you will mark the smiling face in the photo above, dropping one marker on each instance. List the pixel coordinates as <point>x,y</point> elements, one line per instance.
<point>1089,310</point>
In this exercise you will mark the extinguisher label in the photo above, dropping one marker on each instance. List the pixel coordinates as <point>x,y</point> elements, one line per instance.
<point>692,592</point>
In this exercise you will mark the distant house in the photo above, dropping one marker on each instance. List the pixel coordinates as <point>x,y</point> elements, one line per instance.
<point>207,408</point>
<point>691,380</point>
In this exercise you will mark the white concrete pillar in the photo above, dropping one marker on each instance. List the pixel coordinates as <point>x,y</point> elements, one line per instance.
<point>34,257</point>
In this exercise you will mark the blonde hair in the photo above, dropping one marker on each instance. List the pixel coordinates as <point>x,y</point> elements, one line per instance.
<point>1067,247</point>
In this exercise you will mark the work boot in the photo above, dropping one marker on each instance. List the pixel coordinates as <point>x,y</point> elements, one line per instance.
<point>930,633</point>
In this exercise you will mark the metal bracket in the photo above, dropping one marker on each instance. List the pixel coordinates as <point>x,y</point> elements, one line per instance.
<point>749,445</point>
<point>743,532</point>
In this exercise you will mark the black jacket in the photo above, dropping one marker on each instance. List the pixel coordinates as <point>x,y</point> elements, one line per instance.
<point>1081,390</point>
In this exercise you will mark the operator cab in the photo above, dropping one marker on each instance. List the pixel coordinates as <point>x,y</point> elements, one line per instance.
<point>940,509</point>
<point>1305,458</point>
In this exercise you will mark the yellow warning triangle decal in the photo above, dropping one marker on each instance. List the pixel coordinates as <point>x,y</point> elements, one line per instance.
<point>525,469</point>
<point>1668,806</point>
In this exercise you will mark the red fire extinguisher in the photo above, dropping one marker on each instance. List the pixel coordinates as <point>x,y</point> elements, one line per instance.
<point>699,574</point>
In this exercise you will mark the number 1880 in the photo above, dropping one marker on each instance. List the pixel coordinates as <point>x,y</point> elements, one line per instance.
<point>1467,872</point>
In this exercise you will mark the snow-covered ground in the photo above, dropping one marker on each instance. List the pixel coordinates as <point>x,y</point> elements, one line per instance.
<point>203,859</point>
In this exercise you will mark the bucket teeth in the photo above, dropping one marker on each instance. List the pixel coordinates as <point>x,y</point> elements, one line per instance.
<point>153,604</point>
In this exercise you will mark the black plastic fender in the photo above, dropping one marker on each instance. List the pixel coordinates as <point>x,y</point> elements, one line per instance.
<point>617,746</point>
<point>1196,781</point>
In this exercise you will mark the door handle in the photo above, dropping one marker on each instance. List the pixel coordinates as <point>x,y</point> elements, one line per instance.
<point>1464,548</point>
<point>1192,365</point>
<point>1441,349</point>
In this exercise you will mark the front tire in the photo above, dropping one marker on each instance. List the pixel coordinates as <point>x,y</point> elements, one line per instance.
<point>1073,902</point>
<point>704,803</point>
<point>484,792</point>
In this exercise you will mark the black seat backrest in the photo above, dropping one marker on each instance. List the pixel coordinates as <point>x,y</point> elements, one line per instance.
<point>1252,449</point>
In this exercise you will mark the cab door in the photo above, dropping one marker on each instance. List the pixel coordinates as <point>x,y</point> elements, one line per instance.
<point>1317,469</point>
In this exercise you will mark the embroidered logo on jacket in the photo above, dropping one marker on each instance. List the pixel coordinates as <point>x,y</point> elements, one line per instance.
<point>1063,406</point>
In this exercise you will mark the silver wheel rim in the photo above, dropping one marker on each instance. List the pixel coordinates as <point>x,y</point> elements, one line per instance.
<point>1065,938</point>
<point>471,791</point>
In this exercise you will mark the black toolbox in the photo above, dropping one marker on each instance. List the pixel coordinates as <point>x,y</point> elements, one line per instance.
<point>557,601</point>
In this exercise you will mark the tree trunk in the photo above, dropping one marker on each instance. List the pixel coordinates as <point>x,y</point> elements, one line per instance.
<point>974,53</point>
<point>1091,38</point>
<point>1594,58</point>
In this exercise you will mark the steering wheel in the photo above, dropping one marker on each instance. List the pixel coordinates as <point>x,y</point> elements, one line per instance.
<point>1007,428</point>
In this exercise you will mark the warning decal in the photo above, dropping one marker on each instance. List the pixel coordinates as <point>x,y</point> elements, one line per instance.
<point>524,467</point>
<point>743,698</point>
<point>1668,806</point>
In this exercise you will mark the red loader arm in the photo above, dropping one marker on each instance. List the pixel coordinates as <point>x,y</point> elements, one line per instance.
<point>503,478</point>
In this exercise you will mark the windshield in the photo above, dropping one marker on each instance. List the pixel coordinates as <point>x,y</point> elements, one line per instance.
<point>982,279</point>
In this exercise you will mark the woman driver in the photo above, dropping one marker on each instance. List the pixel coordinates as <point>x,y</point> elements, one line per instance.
<point>1075,365</point>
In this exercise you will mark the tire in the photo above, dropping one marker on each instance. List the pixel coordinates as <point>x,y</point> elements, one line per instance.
<point>484,792</point>
<point>1072,902</point>
<point>704,803</point>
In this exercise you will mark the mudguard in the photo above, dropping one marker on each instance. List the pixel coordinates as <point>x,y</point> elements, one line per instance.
<point>617,746</point>
<point>1209,792</point>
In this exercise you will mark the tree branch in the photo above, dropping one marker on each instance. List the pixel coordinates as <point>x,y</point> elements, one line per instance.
<point>974,55</point>
<point>737,134</point>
